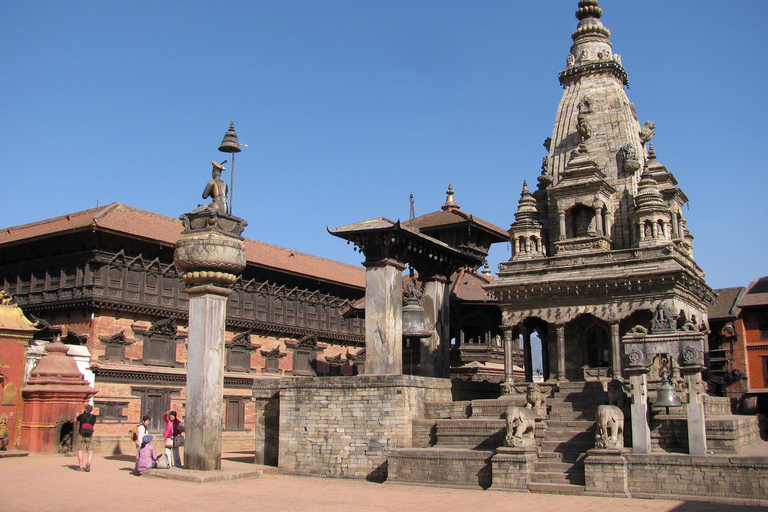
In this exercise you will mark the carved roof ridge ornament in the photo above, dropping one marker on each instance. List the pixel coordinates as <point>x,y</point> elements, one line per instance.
<point>166,326</point>
<point>308,341</point>
<point>242,339</point>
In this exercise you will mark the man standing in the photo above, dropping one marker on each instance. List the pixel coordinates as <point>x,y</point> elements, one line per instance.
<point>85,423</point>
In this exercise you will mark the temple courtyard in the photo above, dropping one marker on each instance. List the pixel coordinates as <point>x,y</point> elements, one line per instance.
<point>111,486</point>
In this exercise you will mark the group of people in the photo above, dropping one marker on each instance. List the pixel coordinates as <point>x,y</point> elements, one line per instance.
<point>173,437</point>
<point>146,456</point>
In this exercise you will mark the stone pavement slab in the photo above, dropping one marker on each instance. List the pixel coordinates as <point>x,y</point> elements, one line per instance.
<point>52,483</point>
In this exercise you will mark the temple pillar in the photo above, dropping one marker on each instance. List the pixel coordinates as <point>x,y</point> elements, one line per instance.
<point>615,351</point>
<point>560,352</point>
<point>509,348</point>
<point>435,350</point>
<point>641,431</point>
<point>383,317</point>
<point>561,217</point>
<point>697,431</point>
<point>599,221</point>
<point>527,356</point>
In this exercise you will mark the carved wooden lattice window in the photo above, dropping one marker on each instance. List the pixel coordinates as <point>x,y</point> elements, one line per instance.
<point>235,414</point>
<point>111,411</point>
<point>160,344</point>
<point>304,356</point>
<point>272,360</point>
<point>115,347</point>
<point>239,353</point>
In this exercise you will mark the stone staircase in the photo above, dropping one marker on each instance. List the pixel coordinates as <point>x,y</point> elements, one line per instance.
<point>454,443</point>
<point>570,433</point>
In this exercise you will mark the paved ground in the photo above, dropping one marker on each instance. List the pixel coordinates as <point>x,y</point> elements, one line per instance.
<point>52,483</point>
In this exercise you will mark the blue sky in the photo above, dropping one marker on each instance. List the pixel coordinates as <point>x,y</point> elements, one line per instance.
<point>347,107</point>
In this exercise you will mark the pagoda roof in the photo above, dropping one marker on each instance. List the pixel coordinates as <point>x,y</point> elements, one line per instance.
<point>757,294</point>
<point>124,220</point>
<point>455,217</point>
<point>726,303</point>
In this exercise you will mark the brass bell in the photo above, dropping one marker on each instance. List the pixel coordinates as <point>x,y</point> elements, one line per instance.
<point>229,144</point>
<point>414,325</point>
<point>665,393</point>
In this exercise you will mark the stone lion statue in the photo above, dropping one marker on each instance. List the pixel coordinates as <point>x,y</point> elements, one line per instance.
<point>520,427</point>
<point>535,399</point>
<point>610,428</point>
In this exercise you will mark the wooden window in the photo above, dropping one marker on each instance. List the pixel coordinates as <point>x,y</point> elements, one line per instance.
<point>155,402</point>
<point>111,411</point>
<point>235,414</point>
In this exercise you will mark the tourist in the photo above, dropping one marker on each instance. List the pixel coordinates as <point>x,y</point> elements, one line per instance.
<point>85,423</point>
<point>146,458</point>
<point>172,431</point>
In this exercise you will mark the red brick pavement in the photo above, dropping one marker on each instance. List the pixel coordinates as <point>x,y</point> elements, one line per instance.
<point>52,483</point>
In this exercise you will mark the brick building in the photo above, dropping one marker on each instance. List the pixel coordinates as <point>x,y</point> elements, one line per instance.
<point>105,278</point>
<point>753,330</point>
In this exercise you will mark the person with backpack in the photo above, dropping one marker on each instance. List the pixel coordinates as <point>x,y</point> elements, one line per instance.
<point>141,430</point>
<point>85,422</point>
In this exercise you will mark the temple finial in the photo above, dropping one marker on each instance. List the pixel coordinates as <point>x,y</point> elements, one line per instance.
<point>589,9</point>
<point>413,213</point>
<point>450,202</point>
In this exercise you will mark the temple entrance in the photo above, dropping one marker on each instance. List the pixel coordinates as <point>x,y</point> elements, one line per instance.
<point>533,341</point>
<point>588,348</point>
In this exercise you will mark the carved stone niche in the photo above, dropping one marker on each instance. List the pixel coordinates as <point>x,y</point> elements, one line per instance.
<point>115,346</point>
<point>335,364</point>
<point>239,353</point>
<point>272,360</point>
<point>159,343</point>
<point>305,353</point>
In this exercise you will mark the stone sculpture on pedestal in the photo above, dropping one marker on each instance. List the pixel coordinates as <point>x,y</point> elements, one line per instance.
<point>610,428</point>
<point>520,427</point>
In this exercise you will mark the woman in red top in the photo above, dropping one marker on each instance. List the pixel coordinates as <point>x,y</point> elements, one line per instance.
<point>172,432</point>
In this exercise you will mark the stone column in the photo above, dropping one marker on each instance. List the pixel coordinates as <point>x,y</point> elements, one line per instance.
<point>608,222</point>
<point>560,352</point>
<point>641,431</point>
<point>697,430</point>
<point>435,350</point>
<point>599,221</point>
<point>210,253</point>
<point>615,351</point>
<point>509,348</point>
<point>527,356</point>
<point>205,380</point>
<point>384,317</point>
<point>517,246</point>
<point>562,234</point>
<point>641,227</point>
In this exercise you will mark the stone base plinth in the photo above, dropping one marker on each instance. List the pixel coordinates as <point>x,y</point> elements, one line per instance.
<point>605,473</point>
<point>512,467</point>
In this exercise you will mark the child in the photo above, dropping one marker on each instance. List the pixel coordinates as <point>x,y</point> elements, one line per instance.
<point>147,457</point>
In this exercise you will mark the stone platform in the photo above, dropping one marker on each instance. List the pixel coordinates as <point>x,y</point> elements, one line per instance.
<point>220,475</point>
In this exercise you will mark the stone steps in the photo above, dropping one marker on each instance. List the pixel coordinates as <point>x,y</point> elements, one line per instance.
<point>552,488</point>
<point>455,467</point>
<point>557,477</point>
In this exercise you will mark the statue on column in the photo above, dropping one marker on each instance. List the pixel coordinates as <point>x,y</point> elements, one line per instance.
<point>216,189</point>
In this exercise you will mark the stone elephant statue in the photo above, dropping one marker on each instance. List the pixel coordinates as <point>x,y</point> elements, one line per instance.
<point>610,428</point>
<point>520,427</point>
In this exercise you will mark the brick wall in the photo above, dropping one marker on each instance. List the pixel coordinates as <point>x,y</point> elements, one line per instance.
<point>344,426</point>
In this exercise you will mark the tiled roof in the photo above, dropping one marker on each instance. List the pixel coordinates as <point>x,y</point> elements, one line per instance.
<point>468,286</point>
<point>452,217</point>
<point>123,219</point>
<point>757,294</point>
<point>725,306</point>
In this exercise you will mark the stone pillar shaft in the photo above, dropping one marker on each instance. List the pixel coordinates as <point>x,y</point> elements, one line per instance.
<point>528,358</point>
<point>615,351</point>
<point>383,319</point>
<point>562,235</point>
<point>205,381</point>
<point>508,350</point>
<point>697,431</point>
<point>599,221</point>
<point>561,352</point>
<point>641,431</point>
<point>435,350</point>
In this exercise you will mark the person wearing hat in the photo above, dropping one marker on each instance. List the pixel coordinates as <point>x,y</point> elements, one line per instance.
<point>147,457</point>
<point>216,189</point>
